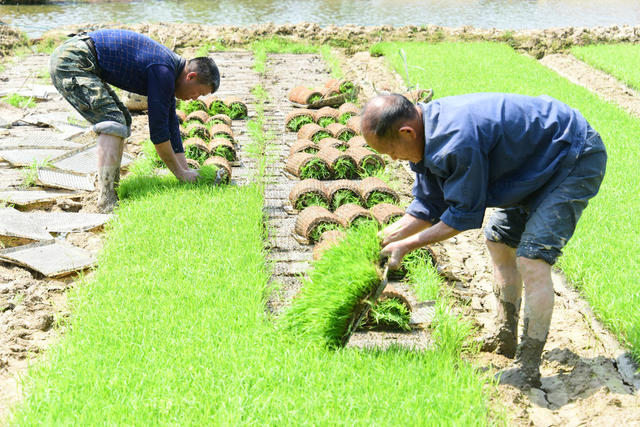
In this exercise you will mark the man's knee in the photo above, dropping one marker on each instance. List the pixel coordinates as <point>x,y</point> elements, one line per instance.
<point>112,128</point>
<point>534,270</point>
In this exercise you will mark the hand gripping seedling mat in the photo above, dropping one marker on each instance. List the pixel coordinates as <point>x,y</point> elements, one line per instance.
<point>53,259</point>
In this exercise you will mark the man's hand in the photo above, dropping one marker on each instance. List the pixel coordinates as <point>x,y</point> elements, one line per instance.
<point>188,175</point>
<point>401,229</point>
<point>394,252</point>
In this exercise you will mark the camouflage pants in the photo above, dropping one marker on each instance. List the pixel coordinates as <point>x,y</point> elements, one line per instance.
<point>75,73</point>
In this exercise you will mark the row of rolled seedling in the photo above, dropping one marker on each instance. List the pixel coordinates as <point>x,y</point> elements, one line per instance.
<point>332,89</point>
<point>231,106</point>
<point>324,117</point>
<point>333,159</point>
<point>331,195</point>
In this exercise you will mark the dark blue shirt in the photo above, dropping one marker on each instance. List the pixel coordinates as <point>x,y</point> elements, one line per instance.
<point>492,150</point>
<point>138,64</point>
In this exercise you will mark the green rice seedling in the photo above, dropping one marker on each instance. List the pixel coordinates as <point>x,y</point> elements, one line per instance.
<point>218,107</point>
<point>390,313</point>
<point>198,132</point>
<point>149,150</point>
<point>345,168</point>
<point>190,106</point>
<point>320,135</point>
<point>19,101</point>
<point>214,122</point>
<point>191,122</point>
<point>314,98</point>
<point>311,150</point>
<point>338,281</point>
<point>346,87</point>
<point>195,153</point>
<point>621,60</point>
<point>363,222</point>
<point>237,111</point>
<point>371,167</point>
<point>344,196</point>
<point>315,234</point>
<point>345,117</point>
<point>326,121</point>
<point>297,122</point>
<point>225,152</point>
<point>346,136</point>
<point>377,197</point>
<point>207,175</point>
<point>223,135</point>
<point>315,168</point>
<point>310,199</point>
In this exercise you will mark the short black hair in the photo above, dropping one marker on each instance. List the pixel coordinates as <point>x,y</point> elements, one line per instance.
<point>207,70</point>
<point>396,108</point>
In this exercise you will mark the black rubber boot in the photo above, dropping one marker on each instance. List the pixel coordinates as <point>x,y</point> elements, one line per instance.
<point>505,339</point>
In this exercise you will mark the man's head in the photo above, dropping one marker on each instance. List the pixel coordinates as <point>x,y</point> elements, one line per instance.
<point>392,125</point>
<point>199,77</point>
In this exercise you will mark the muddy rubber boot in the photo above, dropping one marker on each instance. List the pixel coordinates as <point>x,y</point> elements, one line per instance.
<point>504,339</point>
<point>108,177</point>
<point>525,370</point>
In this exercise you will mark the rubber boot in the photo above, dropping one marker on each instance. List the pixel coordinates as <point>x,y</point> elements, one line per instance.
<point>525,370</point>
<point>109,157</point>
<point>504,339</point>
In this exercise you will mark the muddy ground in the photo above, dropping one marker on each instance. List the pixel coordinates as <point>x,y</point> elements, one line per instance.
<point>582,383</point>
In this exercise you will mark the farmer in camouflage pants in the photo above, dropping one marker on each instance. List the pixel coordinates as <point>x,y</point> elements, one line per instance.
<point>535,158</point>
<point>84,66</point>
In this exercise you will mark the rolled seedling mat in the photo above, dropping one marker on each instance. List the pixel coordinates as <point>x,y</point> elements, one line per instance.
<point>354,124</point>
<point>341,192</point>
<point>197,130</point>
<point>195,104</point>
<point>328,92</point>
<point>371,185</point>
<point>182,116</point>
<point>358,141</point>
<point>193,164</point>
<point>237,108</point>
<point>219,118</point>
<point>351,212</point>
<point>304,146</point>
<point>222,147</point>
<point>308,192</point>
<point>340,131</point>
<point>216,105</point>
<point>219,162</point>
<point>196,149</point>
<point>333,143</point>
<point>221,131</point>
<point>314,132</point>
<point>386,213</point>
<point>325,116</point>
<point>368,162</point>
<point>304,164</point>
<point>314,220</point>
<point>348,107</point>
<point>419,95</point>
<point>331,82</point>
<point>328,239</point>
<point>341,164</point>
<point>342,86</point>
<point>391,291</point>
<point>304,95</point>
<point>297,118</point>
<point>201,116</point>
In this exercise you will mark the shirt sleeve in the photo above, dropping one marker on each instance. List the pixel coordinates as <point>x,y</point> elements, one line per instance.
<point>465,174</point>
<point>163,123</point>
<point>428,203</point>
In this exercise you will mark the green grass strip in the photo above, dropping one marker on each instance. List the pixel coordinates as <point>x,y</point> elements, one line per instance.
<point>620,60</point>
<point>601,259</point>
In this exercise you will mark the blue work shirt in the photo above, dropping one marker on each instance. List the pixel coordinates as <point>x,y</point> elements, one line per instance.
<point>492,150</point>
<point>138,64</point>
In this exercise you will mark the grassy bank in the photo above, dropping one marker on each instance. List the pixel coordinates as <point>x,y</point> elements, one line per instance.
<point>602,257</point>
<point>620,60</point>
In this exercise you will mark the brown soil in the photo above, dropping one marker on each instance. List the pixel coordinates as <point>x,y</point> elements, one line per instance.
<point>581,381</point>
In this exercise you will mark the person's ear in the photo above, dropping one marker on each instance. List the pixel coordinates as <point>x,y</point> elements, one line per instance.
<point>407,131</point>
<point>191,75</point>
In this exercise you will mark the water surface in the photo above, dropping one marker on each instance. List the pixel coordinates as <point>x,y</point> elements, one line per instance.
<point>503,14</point>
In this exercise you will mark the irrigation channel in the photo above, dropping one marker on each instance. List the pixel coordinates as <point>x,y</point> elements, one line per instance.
<point>583,384</point>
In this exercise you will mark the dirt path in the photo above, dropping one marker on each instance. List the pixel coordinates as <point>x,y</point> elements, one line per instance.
<point>602,84</point>
<point>582,383</point>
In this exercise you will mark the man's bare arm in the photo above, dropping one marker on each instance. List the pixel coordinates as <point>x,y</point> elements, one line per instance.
<point>395,251</point>
<point>406,226</point>
<point>183,173</point>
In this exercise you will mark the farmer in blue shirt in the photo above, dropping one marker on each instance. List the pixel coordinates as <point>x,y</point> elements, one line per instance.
<point>84,66</point>
<point>535,158</point>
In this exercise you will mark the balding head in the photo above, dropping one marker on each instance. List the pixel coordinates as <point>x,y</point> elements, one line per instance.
<point>382,115</point>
